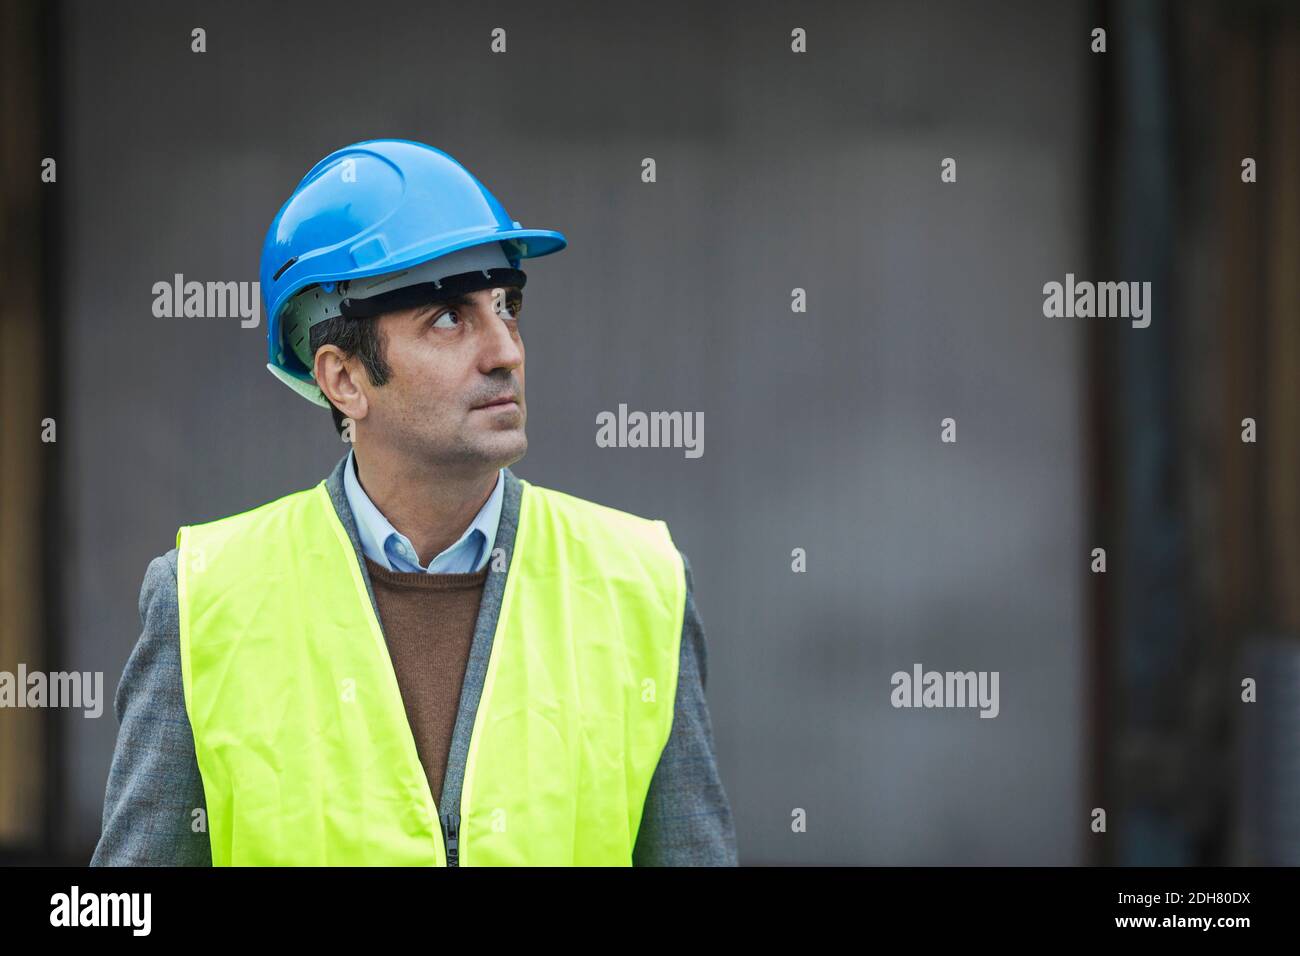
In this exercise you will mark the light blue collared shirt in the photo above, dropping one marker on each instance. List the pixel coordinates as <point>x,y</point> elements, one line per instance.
<point>389,548</point>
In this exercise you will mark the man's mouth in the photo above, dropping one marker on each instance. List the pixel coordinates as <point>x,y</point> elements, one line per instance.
<point>505,401</point>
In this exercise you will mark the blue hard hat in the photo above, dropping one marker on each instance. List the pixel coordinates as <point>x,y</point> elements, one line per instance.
<point>372,208</point>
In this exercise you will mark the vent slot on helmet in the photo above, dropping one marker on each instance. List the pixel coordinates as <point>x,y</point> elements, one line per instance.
<point>280,271</point>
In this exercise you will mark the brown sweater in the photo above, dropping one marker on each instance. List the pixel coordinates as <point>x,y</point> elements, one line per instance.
<point>428,620</point>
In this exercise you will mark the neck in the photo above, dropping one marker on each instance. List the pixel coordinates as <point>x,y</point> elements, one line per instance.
<point>430,507</point>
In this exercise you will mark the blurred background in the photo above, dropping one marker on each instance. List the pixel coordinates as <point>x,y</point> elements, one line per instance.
<point>776,171</point>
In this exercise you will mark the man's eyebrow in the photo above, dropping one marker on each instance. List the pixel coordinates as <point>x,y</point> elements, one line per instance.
<point>461,300</point>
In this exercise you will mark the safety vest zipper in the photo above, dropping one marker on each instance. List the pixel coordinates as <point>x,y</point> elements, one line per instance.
<point>450,835</point>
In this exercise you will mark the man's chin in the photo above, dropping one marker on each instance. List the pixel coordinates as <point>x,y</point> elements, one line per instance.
<point>503,447</point>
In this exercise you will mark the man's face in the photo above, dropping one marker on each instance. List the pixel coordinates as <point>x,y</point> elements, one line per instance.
<point>455,396</point>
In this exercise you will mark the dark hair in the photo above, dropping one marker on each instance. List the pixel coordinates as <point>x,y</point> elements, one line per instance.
<point>358,337</point>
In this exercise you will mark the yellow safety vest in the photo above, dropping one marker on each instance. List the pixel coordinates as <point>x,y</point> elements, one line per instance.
<point>301,735</point>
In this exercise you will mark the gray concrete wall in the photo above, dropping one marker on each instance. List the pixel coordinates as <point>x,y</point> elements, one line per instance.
<point>775,171</point>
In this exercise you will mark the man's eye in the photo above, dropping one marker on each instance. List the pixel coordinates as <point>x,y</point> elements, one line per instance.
<point>513,304</point>
<point>440,323</point>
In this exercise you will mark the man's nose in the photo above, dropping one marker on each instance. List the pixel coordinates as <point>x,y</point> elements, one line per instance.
<point>499,348</point>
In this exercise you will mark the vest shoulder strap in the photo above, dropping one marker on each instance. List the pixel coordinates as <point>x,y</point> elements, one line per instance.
<point>610,540</point>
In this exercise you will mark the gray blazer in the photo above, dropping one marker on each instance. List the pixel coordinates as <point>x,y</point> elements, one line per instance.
<point>154,785</point>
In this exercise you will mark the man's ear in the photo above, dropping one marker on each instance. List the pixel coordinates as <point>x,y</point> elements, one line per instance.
<point>339,377</point>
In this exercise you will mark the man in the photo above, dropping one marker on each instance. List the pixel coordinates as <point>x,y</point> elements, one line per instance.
<point>423,660</point>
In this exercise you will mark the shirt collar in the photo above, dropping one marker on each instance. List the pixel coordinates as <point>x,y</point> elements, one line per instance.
<point>389,548</point>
